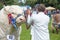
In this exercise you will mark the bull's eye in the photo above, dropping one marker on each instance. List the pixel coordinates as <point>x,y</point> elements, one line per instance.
<point>12,13</point>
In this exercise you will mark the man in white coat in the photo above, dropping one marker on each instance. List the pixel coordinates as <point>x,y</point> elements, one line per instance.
<point>40,24</point>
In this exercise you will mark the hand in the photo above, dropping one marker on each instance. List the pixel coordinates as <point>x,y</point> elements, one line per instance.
<point>28,12</point>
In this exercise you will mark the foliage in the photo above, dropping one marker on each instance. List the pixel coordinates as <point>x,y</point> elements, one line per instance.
<point>1,5</point>
<point>31,2</point>
<point>58,6</point>
<point>9,2</point>
<point>53,3</point>
<point>6,2</point>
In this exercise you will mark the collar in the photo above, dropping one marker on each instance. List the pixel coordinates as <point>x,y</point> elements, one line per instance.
<point>41,13</point>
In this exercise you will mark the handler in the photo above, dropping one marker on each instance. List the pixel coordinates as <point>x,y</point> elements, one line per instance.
<point>40,23</point>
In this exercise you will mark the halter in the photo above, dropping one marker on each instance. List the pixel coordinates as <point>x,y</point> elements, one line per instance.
<point>12,20</point>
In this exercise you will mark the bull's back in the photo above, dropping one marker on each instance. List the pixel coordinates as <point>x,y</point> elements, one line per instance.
<point>57,18</point>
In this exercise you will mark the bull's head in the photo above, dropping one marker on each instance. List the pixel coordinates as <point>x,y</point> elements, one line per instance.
<point>16,12</point>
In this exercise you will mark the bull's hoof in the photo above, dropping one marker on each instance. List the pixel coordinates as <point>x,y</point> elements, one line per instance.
<point>57,31</point>
<point>53,31</point>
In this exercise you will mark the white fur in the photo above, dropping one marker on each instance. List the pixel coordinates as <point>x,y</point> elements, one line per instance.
<point>4,22</point>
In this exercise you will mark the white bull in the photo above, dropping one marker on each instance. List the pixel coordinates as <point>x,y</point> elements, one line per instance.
<point>7,31</point>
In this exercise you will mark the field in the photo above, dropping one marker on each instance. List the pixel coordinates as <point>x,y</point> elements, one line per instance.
<point>25,35</point>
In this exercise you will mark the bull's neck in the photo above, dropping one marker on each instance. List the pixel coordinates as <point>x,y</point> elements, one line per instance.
<point>3,17</point>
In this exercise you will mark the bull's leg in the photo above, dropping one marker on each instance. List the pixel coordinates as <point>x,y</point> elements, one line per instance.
<point>52,28</point>
<point>20,29</point>
<point>16,33</point>
<point>57,30</point>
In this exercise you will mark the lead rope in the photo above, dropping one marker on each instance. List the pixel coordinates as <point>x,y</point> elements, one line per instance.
<point>12,21</point>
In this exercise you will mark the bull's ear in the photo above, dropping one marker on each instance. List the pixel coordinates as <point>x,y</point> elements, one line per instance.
<point>6,9</point>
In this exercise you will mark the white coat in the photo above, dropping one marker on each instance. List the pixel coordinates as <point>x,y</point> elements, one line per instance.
<point>40,25</point>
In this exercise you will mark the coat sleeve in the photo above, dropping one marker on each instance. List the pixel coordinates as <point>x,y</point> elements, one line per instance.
<point>29,20</point>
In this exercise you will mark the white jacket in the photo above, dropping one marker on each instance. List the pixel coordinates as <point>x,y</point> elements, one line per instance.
<point>40,24</point>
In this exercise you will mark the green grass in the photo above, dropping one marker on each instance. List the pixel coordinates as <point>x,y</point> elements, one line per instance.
<point>25,35</point>
<point>53,36</point>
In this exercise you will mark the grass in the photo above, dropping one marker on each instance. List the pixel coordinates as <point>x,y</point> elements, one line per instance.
<point>25,35</point>
<point>53,36</point>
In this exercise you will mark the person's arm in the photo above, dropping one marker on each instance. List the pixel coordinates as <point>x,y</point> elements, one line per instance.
<point>28,19</point>
<point>28,22</point>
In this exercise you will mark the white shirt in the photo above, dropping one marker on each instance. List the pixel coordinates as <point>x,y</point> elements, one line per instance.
<point>32,28</point>
<point>40,26</point>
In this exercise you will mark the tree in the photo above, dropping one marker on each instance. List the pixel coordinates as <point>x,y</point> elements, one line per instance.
<point>51,2</point>
<point>7,2</point>
<point>31,2</point>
